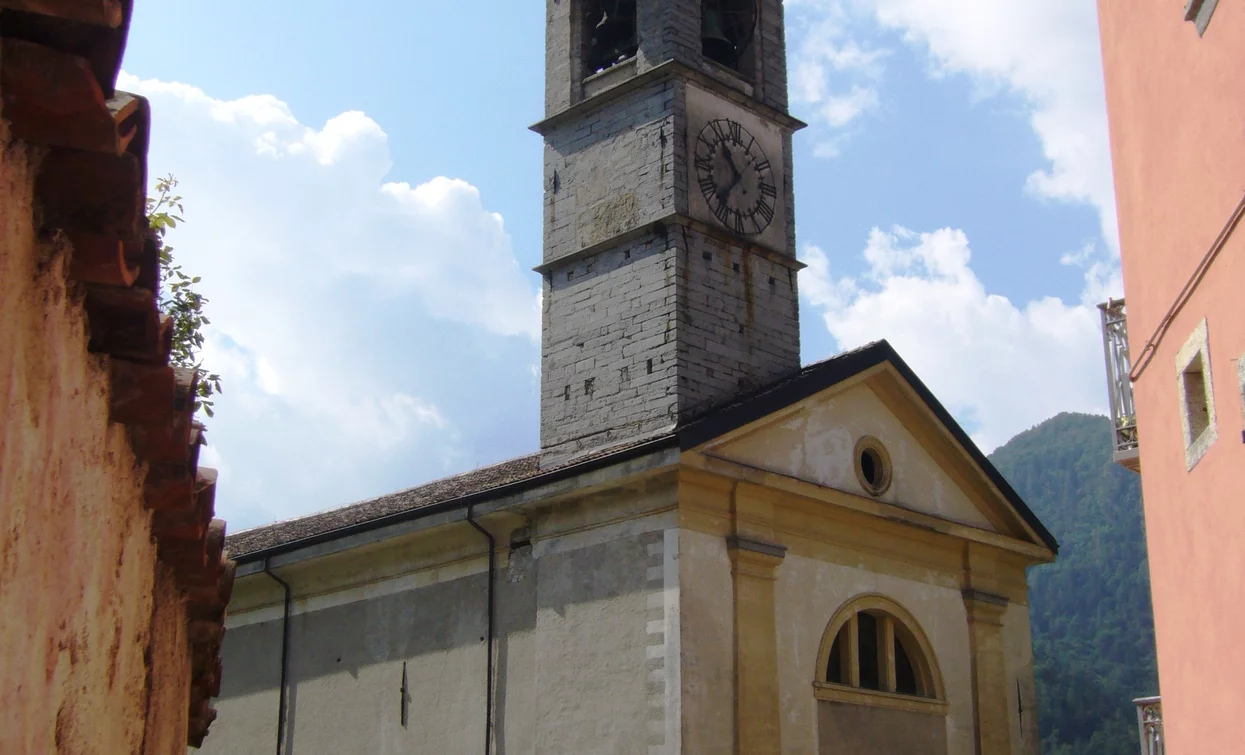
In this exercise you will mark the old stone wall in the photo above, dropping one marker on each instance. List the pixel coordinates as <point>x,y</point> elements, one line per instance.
<point>612,170</point>
<point>738,321</point>
<point>90,635</point>
<point>609,348</point>
<point>666,30</point>
<point>639,337</point>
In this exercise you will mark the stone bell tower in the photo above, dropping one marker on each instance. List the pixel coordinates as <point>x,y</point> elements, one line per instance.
<point>669,244</point>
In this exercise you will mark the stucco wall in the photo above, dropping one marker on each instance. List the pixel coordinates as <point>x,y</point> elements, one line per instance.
<point>1021,686</point>
<point>817,445</point>
<point>708,645</point>
<point>808,594</point>
<point>580,644</point>
<point>77,562</point>
<point>858,730</point>
<point>1176,112</point>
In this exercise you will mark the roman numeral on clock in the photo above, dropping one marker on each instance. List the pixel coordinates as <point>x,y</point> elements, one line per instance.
<point>766,211</point>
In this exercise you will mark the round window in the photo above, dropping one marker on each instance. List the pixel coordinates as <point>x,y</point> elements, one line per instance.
<point>873,465</point>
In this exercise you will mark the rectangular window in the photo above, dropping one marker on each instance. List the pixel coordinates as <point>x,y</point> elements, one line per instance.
<point>609,33</point>
<point>1196,406</point>
<point>1197,395</point>
<point>1199,12</point>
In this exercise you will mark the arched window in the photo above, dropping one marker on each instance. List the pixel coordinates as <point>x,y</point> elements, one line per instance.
<point>873,644</point>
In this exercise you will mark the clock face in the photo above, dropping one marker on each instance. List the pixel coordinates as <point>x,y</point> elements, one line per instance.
<point>735,177</point>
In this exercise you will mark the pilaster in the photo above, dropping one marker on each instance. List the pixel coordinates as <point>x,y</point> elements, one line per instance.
<point>989,671</point>
<point>755,559</point>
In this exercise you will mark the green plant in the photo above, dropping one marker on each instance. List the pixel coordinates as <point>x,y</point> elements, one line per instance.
<point>178,299</point>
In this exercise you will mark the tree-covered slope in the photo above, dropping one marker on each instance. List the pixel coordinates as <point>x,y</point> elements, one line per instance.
<point>1093,630</point>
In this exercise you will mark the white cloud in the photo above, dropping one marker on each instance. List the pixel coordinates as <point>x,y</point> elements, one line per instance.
<point>840,110</point>
<point>339,301</point>
<point>1046,52</point>
<point>831,72</point>
<point>998,366</point>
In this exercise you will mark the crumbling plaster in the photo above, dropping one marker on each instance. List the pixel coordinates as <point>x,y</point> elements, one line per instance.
<point>83,652</point>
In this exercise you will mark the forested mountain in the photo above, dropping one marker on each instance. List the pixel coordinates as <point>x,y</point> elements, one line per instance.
<point>1093,630</point>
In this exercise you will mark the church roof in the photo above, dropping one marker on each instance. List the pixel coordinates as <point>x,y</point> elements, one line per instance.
<point>525,471</point>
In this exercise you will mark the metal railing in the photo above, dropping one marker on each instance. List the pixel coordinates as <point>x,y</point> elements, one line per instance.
<point>1150,725</point>
<point>1119,386</point>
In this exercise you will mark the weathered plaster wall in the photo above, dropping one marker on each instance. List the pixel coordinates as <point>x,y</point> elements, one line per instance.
<point>1176,112</point>
<point>581,640</point>
<point>708,658</point>
<point>856,730</point>
<point>1021,686</point>
<point>817,443</point>
<point>808,594</point>
<point>76,555</point>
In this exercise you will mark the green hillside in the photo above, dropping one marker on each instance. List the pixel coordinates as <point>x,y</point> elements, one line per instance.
<point>1093,630</point>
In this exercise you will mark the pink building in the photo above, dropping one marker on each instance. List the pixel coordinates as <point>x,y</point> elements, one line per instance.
<point>1175,82</point>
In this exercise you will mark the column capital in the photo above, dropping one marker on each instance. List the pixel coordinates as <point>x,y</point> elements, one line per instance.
<point>757,558</point>
<point>985,606</point>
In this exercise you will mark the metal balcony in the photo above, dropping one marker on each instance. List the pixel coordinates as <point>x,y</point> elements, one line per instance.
<point>1119,386</point>
<point>1150,725</point>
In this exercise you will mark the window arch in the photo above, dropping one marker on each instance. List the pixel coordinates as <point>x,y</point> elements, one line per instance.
<point>873,644</point>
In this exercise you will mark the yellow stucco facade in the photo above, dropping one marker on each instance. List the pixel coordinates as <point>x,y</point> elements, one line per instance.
<point>940,545</point>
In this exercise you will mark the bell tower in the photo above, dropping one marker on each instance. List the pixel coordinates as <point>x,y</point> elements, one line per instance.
<point>669,227</point>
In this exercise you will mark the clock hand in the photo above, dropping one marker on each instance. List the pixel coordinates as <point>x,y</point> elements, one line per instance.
<point>730,160</point>
<point>736,175</point>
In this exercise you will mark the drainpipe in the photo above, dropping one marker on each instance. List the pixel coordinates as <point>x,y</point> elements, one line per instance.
<point>488,691</point>
<point>285,658</point>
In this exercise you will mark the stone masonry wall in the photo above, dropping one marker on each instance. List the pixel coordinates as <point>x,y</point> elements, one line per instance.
<point>76,553</point>
<point>645,335</point>
<point>609,354</point>
<point>660,321</point>
<point>611,171</point>
<point>666,30</point>
<point>738,321</point>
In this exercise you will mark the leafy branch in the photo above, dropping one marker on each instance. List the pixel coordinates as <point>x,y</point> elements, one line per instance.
<point>178,299</point>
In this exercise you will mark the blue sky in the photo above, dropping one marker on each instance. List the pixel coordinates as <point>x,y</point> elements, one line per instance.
<point>363,203</point>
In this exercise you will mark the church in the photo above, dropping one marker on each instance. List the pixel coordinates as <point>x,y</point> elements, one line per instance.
<point>715,549</point>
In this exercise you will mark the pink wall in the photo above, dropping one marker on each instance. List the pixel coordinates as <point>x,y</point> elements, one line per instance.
<point>1176,105</point>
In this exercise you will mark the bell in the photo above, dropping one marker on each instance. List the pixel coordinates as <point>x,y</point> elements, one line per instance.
<point>714,43</point>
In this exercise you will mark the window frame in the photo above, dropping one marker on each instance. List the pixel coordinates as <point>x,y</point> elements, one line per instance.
<point>1196,348</point>
<point>579,18</point>
<point>895,624</point>
<point>870,444</point>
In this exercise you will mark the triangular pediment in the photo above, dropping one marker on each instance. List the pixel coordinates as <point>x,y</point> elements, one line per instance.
<point>817,444</point>
<point>809,428</point>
